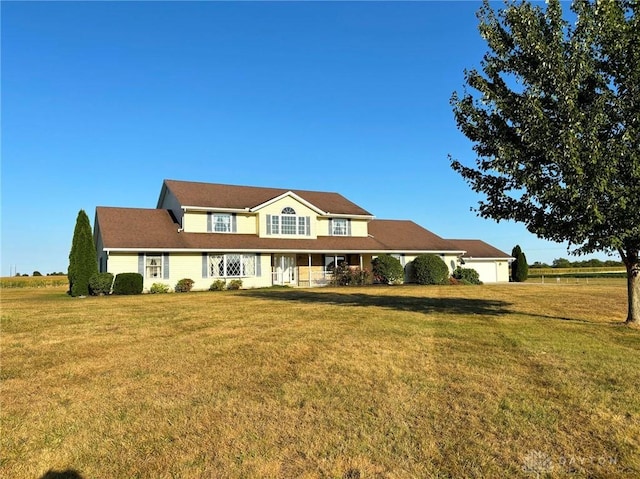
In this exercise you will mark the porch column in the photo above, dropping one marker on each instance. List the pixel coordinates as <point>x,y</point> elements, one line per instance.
<point>310,270</point>
<point>361,262</point>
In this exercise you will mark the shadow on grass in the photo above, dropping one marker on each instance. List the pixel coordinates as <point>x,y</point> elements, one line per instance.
<point>68,474</point>
<point>422,304</point>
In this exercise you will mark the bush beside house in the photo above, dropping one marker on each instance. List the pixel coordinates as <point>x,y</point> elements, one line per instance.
<point>467,275</point>
<point>387,269</point>
<point>100,284</point>
<point>430,269</point>
<point>128,283</point>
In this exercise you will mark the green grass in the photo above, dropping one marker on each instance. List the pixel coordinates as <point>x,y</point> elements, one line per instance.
<point>383,382</point>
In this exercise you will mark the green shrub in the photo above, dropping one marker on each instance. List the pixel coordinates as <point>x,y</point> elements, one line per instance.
<point>430,269</point>
<point>235,284</point>
<point>184,285</point>
<point>359,276</point>
<point>341,274</point>
<point>100,283</point>
<point>128,283</point>
<point>36,273</point>
<point>218,285</point>
<point>344,275</point>
<point>159,288</point>
<point>467,275</point>
<point>387,269</point>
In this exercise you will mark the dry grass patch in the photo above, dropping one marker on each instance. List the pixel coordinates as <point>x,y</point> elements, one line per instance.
<point>492,381</point>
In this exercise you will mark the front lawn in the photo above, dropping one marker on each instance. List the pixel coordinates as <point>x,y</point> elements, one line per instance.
<point>514,380</point>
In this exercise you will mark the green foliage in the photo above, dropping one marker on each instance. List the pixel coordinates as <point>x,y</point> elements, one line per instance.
<point>218,285</point>
<point>345,275</point>
<point>184,285</point>
<point>100,283</point>
<point>234,284</point>
<point>36,273</point>
<point>522,273</point>
<point>561,263</point>
<point>159,288</point>
<point>387,269</point>
<point>467,275</point>
<point>553,114</point>
<point>128,283</point>
<point>430,269</point>
<point>82,257</point>
<point>519,267</point>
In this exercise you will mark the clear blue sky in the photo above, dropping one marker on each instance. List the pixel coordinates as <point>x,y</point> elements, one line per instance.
<point>101,101</point>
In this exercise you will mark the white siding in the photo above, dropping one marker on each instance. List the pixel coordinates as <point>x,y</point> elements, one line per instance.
<point>276,209</point>
<point>122,263</point>
<point>196,222</point>
<point>359,228</point>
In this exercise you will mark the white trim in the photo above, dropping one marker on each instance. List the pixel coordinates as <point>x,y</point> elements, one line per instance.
<point>214,209</point>
<point>290,194</point>
<point>279,250</point>
<point>482,258</point>
<point>345,215</point>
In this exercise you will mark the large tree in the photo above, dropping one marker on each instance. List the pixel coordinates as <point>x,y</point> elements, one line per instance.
<point>554,115</point>
<point>82,257</point>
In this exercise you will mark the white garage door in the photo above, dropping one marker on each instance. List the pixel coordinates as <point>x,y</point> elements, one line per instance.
<point>487,270</point>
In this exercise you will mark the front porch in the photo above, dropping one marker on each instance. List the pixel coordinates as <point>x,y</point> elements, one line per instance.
<point>312,269</point>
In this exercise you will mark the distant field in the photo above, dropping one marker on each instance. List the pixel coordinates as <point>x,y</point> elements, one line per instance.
<point>513,380</point>
<point>33,281</point>
<point>603,272</point>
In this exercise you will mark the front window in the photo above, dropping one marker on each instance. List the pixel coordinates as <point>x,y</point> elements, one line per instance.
<point>303,225</point>
<point>222,223</point>
<point>289,220</point>
<point>339,227</point>
<point>330,262</point>
<point>233,265</point>
<point>154,266</point>
<point>288,223</point>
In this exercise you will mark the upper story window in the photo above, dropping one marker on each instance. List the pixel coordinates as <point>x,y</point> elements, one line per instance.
<point>221,222</point>
<point>340,227</point>
<point>288,222</point>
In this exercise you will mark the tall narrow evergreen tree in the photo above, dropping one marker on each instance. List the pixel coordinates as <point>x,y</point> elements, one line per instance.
<point>515,253</point>
<point>522,273</point>
<point>82,257</point>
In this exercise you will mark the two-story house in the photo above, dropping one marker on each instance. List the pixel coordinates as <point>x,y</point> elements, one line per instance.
<point>263,236</point>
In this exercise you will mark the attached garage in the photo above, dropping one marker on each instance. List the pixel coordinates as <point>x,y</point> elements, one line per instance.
<point>491,264</point>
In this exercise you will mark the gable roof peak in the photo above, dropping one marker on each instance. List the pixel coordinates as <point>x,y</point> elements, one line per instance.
<point>217,195</point>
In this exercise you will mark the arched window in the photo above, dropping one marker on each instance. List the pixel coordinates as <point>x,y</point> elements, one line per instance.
<point>289,221</point>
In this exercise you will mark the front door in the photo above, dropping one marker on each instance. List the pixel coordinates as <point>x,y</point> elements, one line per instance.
<point>285,268</point>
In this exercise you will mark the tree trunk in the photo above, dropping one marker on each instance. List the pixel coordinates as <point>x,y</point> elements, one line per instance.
<point>632,262</point>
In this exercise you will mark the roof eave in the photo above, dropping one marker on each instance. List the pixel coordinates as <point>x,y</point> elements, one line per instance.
<point>215,208</point>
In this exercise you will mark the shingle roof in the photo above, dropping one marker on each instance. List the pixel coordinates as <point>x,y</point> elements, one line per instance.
<point>141,228</point>
<point>478,249</point>
<point>212,195</point>
<point>137,228</point>
<point>402,235</point>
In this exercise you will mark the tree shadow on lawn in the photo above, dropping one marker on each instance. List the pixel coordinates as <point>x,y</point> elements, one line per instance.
<point>422,304</point>
<point>68,474</point>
